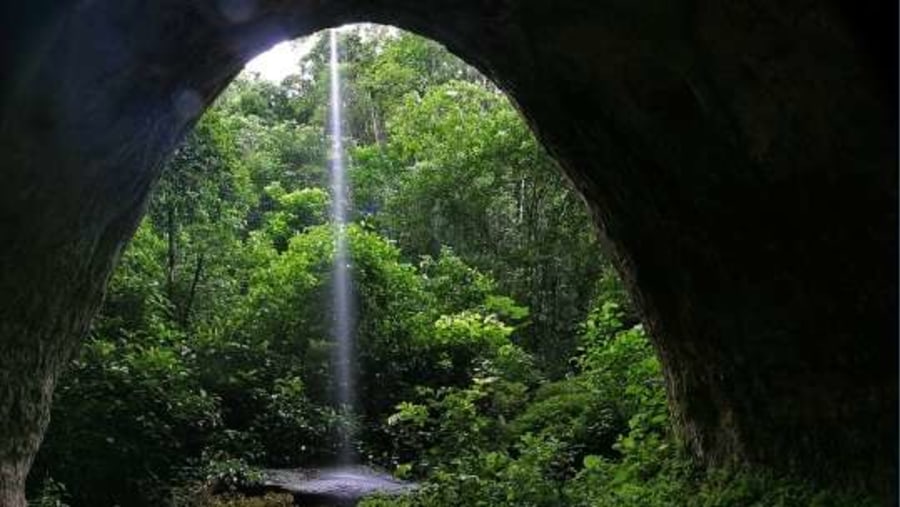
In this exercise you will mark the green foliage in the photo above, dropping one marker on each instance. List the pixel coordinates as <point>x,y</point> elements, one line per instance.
<point>573,413</point>
<point>622,366</point>
<point>223,474</point>
<point>467,336</point>
<point>205,499</point>
<point>145,407</point>
<point>269,500</point>
<point>460,168</point>
<point>659,476</point>
<point>50,494</point>
<point>293,212</point>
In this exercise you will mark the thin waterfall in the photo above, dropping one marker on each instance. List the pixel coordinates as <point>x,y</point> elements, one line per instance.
<point>343,323</point>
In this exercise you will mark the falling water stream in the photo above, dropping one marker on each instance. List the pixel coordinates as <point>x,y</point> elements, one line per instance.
<point>343,323</point>
<point>344,484</point>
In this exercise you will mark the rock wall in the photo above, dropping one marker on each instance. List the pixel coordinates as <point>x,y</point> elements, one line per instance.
<point>740,159</point>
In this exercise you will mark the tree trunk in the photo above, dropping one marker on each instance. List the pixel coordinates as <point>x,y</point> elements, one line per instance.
<point>171,251</point>
<point>186,313</point>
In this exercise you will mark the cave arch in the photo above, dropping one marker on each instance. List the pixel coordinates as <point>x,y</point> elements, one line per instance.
<point>740,160</point>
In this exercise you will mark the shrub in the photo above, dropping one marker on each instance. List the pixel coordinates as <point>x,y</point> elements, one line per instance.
<point>268,500</point>
<point>50,494</point>
<point>571,412</point>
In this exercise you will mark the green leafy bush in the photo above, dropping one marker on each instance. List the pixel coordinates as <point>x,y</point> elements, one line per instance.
<point>571,412</point>
<point>50,494</point>
<point>127,414</point>
<point>267,500</point>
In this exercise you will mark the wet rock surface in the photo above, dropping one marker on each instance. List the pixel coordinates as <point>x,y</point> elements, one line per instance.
<point>337,486</point>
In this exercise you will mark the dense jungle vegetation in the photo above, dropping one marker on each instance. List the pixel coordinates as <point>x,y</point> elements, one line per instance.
<point>500,363</point>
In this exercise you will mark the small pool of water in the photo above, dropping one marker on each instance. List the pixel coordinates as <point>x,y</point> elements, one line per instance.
<point>338,486</point>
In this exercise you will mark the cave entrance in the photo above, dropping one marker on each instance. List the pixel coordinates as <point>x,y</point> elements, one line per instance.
<point>672,123</point>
